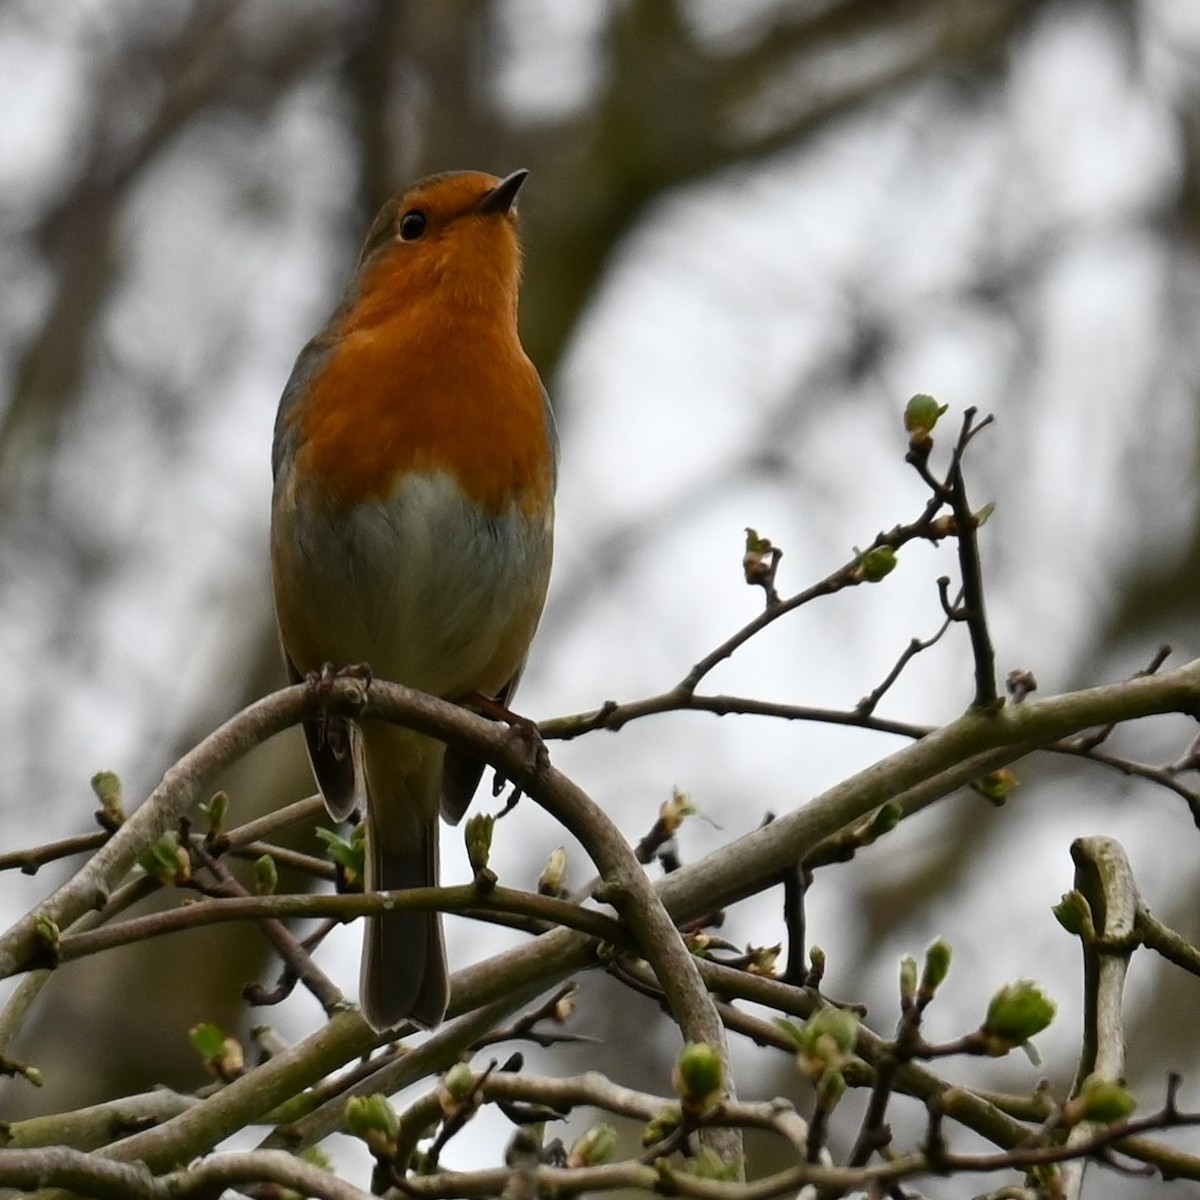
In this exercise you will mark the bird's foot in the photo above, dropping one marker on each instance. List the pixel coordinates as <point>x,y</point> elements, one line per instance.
<point>522,730</point>
<point>334,731</point>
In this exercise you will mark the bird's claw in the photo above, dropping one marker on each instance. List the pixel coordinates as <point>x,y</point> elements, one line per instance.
<point>333,730</point>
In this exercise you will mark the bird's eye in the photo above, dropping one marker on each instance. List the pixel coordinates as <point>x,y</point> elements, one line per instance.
<point>412,225</point>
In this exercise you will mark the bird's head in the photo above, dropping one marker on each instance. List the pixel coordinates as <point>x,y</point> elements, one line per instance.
<point>448,243</point>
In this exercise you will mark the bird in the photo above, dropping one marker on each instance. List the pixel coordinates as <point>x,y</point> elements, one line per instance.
<point>415,461</point>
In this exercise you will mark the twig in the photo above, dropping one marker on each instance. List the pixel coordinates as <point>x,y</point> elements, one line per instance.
<point>867,705</point>
<point>1163,776</point>
<point>796,880</point>
<point>556,1008</point>
<point>297,959</point>
<point>308,864</point>
<point>613,716</point>
<point>1156,936</point>
<point>281,818</point>
<point>1089,741</point>
<point>847,575</point>
<point>440,1051</point>
<point>29,862</point>
<point>464,899</point>
<point>967,541</point>
<point>595,1090</point>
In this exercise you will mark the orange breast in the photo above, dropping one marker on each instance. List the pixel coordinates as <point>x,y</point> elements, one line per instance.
<point>419,393</point>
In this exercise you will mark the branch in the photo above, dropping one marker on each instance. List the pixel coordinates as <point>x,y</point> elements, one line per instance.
<point>1104,878</point>
<point>944,760</point>
<point>29,862</point>
<point>442,1049</point>
<point>947,758</point>
<point>98,1124</point>
<point>464,899</point>
<point>90,1175</point>
<point>181,788</point>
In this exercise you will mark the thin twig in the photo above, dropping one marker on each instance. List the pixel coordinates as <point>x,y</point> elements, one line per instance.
<point>867,705</point>
<point>29,862</point>
<point>463,899</point>
<point>967,541</point>
<point>297,959</point>
<point>1089,741</point>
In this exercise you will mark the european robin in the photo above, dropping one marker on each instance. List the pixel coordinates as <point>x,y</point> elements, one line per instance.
<point>412,523</point>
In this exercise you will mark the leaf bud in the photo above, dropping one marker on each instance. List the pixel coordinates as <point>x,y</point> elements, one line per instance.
<point>699,1077</point>
<point>876,564</point>
<point>374,1121</point>
<point>1016,1013</point>
<point>594,1146</point>
<point>552,880</point>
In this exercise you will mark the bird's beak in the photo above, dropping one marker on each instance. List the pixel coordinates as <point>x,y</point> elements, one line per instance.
<point>500,199</point>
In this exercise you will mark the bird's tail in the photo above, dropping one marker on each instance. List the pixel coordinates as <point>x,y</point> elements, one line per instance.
<point>403,961</point>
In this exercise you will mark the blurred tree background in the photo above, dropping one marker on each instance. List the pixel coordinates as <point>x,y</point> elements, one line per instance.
<point>752,230</point>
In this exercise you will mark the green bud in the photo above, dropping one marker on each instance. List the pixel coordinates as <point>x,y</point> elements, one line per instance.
<point>885,820</point>
<point>995,785</point>
<point>759,559</point>
<point>564,1008</point>
<point>266,876</point>
<point>48,933</point>
<point>831,1088</point>
<point>316,1157</point>
<point>908,982</point>
<point>207,1040</point>
<point>758,544</point>
<point>675,811</point>
<point>107,787</point>
<point>826,1041</point>
<point>349,855</point>
<point>937,967</point>
<point>459,1082</point>
<point>793,1031</point>
<point>166,860</point>
<point>660,1127</point>
<point>478,837</point>
<point>552,880</point>
<point>1101,1100</point>
<point>816,966</point>
<point>840,1024</point>
<point>595,1146</point>
<point>374,1121</point>
<point>876,564</point>
<point>921,414</point>
<point>1016,1013</point>
<point>764,960</point>
<point>215,810</point>
<point>699,1077</point>
<point>222,1054</point>
<point>707,1163</point>
<point>1074,913</point>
